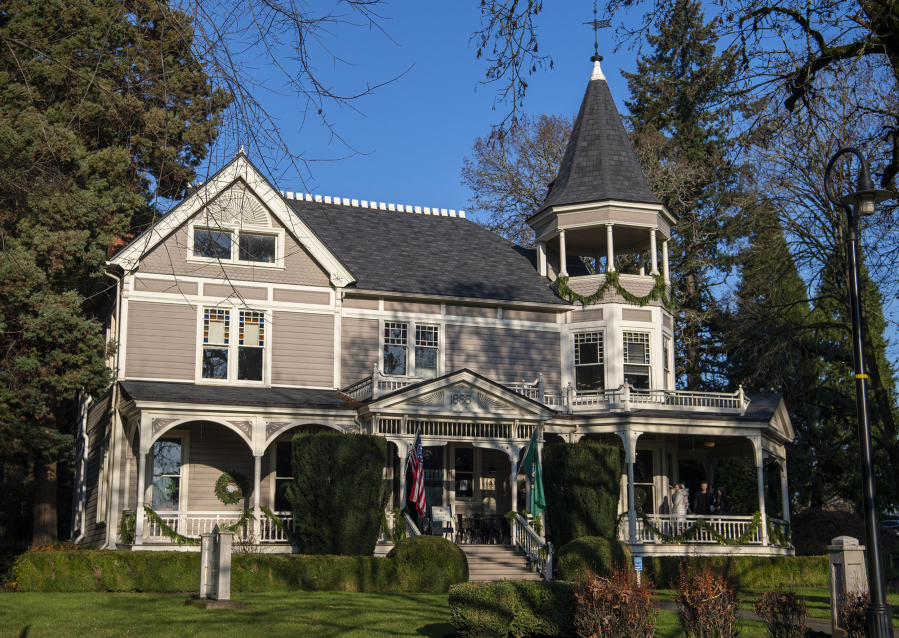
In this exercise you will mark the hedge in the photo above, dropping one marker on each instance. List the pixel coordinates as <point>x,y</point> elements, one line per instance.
<point>512,608</point>
<point>337,492</point>
<point>589,553</point>
<point>745,572</point>
<point>428,564</point>
<point>582,482</point>
<point>410,570</point>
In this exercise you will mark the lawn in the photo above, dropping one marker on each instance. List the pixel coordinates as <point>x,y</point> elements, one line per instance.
<point>312,614</point>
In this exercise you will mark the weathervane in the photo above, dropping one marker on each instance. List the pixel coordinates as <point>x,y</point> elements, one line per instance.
<point>597,25</point>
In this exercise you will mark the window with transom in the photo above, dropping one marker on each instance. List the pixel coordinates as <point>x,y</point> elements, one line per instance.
<point>589,367</point>
<point>233,357</point>
<point>636,359</point>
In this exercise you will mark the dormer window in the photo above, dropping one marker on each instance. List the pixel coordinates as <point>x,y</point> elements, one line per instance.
<point>636,359</point>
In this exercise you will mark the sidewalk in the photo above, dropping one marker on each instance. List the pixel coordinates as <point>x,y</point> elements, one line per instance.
<point>818,625</point>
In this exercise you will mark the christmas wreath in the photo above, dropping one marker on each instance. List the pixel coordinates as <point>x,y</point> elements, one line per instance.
<point>230,487</point>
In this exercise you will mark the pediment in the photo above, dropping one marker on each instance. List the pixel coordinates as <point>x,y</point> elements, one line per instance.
<point>461,395</point>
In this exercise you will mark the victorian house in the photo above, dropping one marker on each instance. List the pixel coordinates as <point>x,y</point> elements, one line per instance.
<point>250,313</point>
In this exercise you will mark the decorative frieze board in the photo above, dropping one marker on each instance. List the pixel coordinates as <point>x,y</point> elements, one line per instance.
<point>343,201</point>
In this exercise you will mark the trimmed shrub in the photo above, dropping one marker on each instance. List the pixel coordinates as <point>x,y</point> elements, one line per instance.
<point>745,572</point>
<point>784,613</point>
<point>512,608</point>
<point>289,572</point>
<point>591,553</point>
<point>707,605</point>
<point>582,484</point>
<point>428,564</point>
<point>336,492</point>
<point>615,607</point>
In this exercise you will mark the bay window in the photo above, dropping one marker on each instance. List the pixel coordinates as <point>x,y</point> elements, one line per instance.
<point>589,368</point>
<point>636,359</point>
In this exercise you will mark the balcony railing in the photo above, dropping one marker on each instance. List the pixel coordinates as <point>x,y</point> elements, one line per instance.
<point>192,524</point>
<point>623,398</point>
<point>453,429</point>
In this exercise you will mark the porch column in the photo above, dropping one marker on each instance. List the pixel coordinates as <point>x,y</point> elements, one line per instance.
<point>563,258</point>
<point>610,250</point>
<point>257,488</point>
<point>665,262</point>
<point>629,438</point>
<point>513,479</point>
<point>760,474</point>
<point>541,258</point>
<point>139,508</point>
<point>784,490</point>
<point>655,252</point>
<point>642,264</point>
<point>401,448</point>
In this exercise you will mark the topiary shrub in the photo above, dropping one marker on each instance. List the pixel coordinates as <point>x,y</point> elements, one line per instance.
<point>336,493</point>
<point>582,483</point>
<point>512,608</point>
<point>591,553</point>
<point>428,564</point>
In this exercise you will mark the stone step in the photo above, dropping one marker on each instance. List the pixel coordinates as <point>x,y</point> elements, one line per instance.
<point>487,563</point>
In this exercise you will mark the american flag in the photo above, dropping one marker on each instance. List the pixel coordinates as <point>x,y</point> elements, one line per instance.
<point>417,461</point>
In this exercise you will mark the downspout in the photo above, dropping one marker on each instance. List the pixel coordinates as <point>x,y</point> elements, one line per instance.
<point>78,495</point>
<point>114,467</point>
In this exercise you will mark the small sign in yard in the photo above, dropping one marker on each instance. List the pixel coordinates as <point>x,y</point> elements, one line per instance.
<point>638,563</point>
<point>441,514</point>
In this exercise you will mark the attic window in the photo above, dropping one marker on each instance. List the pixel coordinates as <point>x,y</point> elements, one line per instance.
<point>212,244</point>
<point>259,248</point>
<point>237,246</point>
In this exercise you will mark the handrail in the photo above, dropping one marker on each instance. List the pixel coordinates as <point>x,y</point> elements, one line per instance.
<point>539,552</point>
<point>411,528</point>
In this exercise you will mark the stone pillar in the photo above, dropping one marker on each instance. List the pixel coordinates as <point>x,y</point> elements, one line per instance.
<point>610,250</point>
<point>223,587</point>
<point>655,252</point>
<point>847,574</point>
<point>257,488</point>
<point>541,258</point>
<point>563,257</point>
<point>665,262</point>
<point>141,489</point>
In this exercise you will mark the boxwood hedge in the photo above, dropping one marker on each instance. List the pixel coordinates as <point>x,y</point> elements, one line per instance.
<point>745,572</point>
<point>512,608</point>
<point>428,564</point>
<point>590,553</point>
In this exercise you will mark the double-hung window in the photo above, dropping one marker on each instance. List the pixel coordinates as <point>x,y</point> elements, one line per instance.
<point>235,245</point>
<point>666,354</point>
<point>167,474</point>
<point>589,368</point>
<point>227,359</point>
<point>396,349</point>
<point>636,359</point>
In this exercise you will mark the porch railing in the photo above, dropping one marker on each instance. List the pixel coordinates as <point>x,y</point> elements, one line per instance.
<point>730,528</point>
<point>453,429</point>
<point>624,397</point>
<point>193,524</point>
<point>411,527</point>
<point>539,552</point>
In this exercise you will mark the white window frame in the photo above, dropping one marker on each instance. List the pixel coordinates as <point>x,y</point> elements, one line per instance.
<point>233,346</point>
<point>411,342</point>
<point>601,337</point>
<point>235,230</point>
<point>475,475</point>
<point>647,341</point>
<point>185,468</point>
<point>273,468</point>
<point>666,355</point>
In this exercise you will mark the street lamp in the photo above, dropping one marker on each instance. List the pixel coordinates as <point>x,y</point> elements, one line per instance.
<point>879,617</point>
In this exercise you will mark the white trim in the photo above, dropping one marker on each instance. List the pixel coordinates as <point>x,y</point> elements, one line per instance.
<point>361,313</point>
<point>184,435</point>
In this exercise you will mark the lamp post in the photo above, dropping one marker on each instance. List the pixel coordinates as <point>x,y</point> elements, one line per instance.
<point>878,615</point>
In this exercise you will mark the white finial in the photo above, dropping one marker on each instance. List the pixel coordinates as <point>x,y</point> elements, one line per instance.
<point>597,71</point>
<point>241,150</point>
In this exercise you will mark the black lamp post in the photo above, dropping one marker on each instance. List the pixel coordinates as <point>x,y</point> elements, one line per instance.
<point>878,615</point>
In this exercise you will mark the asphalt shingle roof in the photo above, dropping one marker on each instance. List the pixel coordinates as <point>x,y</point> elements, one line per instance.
<point>599,161</point>
<point>193,393</point>
<point>392,251</point>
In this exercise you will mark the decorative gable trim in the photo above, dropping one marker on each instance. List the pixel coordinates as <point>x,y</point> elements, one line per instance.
<point>240,168</point>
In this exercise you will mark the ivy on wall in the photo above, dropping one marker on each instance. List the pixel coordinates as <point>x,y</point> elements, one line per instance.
<point>612,280</point>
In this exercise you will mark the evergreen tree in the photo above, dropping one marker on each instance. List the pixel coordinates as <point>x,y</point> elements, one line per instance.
<point>679,127</point>
<point>102,107</point>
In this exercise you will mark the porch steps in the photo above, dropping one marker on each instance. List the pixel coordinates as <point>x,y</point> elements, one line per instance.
<point>382,548</point>
<point>497,562</point>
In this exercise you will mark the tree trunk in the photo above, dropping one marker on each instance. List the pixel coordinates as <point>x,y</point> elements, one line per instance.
<point>44,504</point>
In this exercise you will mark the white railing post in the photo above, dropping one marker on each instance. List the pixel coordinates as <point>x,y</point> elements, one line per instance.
<point>375,374</point>
<point>742,398</point>
<point>626,396</point>
<point>569,392</point>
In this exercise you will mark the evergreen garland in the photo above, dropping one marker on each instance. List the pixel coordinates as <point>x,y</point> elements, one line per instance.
<point>167,531</point>
<point>659,292</point>
<point>689,533</point>
<point>277,523</point>
<point>245,517</point>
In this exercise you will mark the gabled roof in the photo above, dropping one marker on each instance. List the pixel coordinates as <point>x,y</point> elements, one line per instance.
<point>599,162</point>
<point>392,251</point>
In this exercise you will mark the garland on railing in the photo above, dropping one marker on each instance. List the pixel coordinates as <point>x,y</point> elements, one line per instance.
<point>127,526</point>
<point>778,537</point>
<point>659,292</point>
<point>698,526</point>
<point>242,521</point>
<point>167,531</point>
<point>288,534</point>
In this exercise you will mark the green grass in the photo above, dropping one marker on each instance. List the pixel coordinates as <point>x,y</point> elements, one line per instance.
<point>313,614</point>
<point>669,627</point>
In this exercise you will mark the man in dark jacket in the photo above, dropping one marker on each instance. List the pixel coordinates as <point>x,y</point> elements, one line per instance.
<point>702,503</point>
<point>722,503</point>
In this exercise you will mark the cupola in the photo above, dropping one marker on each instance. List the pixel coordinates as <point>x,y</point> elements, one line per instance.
<point>600,204</point>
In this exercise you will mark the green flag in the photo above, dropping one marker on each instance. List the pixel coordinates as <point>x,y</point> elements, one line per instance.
<point>531,466</point>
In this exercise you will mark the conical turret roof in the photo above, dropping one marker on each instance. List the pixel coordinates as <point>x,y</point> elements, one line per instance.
<point>599,162</point>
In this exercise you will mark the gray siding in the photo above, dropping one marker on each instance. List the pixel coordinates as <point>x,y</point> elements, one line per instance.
<point>584,316</point>
<point>166,286</point>
<point>630,314</point>
<point>423,308</point>
<point>513,314</point>
<point>303,349</point>
<point>161,341</point>
<point>471,311</point>
<point>240,292</point>
<point>504,355</point>
<point>366,303</point>
<point>170,258</point>
<point>98,422</point>
<point>302,296</point>
<point>215,449</point>
<point>358,345</point>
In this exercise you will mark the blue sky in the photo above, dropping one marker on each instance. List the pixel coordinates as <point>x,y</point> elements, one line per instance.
<point>412,134</point>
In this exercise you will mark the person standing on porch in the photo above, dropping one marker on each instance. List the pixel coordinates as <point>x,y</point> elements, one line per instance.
<point>679,498</point>
<point>702,504</point>
<point>722,503</point>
